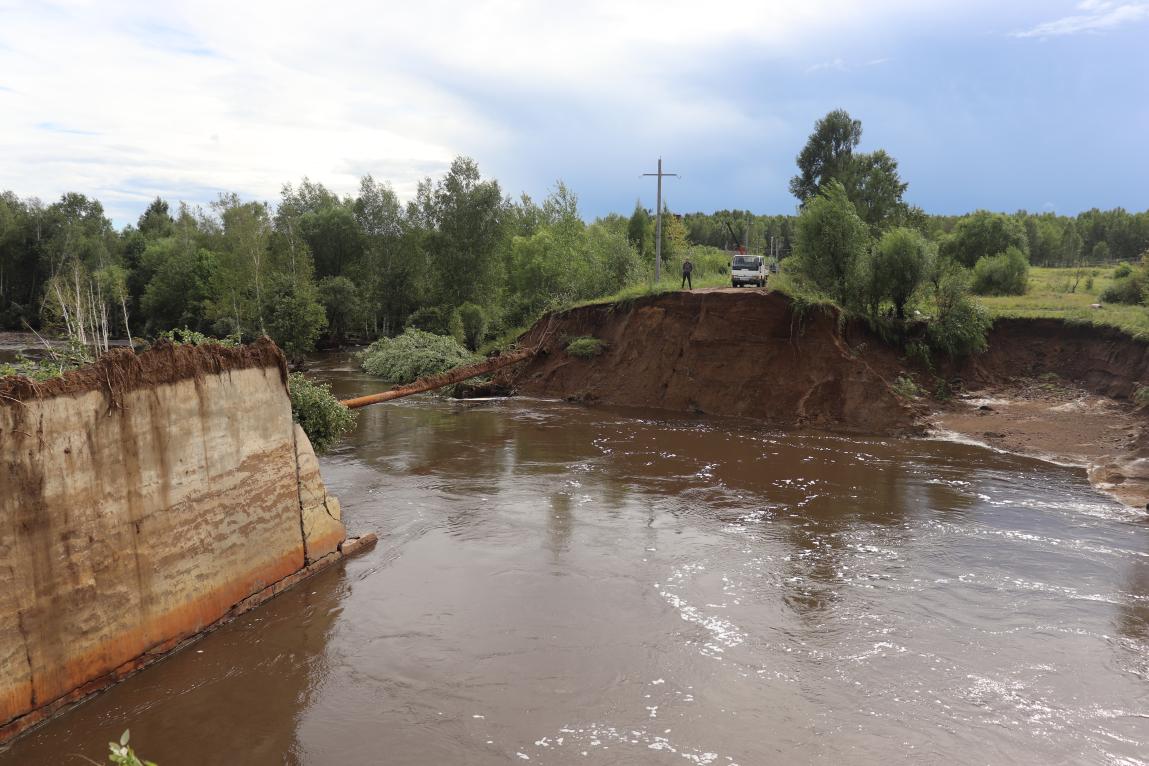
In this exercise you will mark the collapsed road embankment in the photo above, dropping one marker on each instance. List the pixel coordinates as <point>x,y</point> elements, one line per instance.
<point>755,354</point>
<point>145,499</point>
<point>739,353</point>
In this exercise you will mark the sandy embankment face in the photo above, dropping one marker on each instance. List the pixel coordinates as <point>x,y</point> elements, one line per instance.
<point>1051,419</point>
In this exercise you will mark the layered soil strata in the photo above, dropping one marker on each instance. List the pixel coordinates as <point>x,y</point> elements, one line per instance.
<point>740,353</point>
<point>144,498</point>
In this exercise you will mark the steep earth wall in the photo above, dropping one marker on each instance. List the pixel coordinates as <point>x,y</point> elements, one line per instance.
<point>722,352</point>
<point>1104,360</point>
<point>142,499</point>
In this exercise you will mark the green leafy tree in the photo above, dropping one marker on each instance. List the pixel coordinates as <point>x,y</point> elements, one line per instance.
<point>960,325</point>
<point>393,257</point>
<point>241,242</point>
<point>895,268</point>
<point>294,314</point>
<point>828,154</point>
<point>1002,274</point>
<point>982,234</point>
<point>876,190</point>
<point>871,180</point>
<point>177,291</point>
<point>639,230</point>
<point>464,216</point>
<point>341,304</point>
<point>156,222</point>
<point>472,321</point>
<point>830,241</point>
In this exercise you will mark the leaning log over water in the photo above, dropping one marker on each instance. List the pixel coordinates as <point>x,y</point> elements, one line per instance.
<point>455,375</point>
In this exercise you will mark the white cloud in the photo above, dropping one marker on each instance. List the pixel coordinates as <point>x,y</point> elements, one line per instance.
<point>125,100</point>
<point>1096,16</point>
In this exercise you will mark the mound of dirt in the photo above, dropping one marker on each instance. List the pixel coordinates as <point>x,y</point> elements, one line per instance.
<point>722,352</point>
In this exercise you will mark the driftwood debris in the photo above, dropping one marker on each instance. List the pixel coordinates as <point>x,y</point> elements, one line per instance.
<point>456,375</point>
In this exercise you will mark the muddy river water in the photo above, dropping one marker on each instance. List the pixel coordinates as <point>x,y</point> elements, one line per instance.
<point>561,585</point>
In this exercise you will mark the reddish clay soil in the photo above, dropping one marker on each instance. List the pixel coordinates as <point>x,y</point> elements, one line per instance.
<point>740,353</point>
<point>1055,391</point>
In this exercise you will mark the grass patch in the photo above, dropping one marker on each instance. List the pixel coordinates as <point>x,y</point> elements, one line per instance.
<point>1049,298</point>
<point>585,347</point>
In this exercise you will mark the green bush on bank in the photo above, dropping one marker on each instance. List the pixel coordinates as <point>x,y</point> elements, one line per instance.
<point>960,325</point>
<point>1128,290</point>
<point>412,355</point>
<point>1002,274</point>
<point>318,411</point>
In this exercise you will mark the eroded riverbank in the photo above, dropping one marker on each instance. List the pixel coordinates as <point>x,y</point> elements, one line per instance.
<point>652,588</point>
<point>1064,392</point>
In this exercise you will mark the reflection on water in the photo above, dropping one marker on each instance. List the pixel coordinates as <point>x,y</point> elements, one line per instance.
<point>557,585</point>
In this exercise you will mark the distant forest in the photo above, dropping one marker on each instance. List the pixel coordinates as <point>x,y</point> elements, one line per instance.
<point>1095,237</point>
<point>318,265</point>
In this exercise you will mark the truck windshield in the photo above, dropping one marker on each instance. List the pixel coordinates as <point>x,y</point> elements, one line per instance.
<point>743,262</point>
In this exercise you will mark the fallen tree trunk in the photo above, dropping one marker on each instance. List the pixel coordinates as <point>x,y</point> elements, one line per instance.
<point>456,375</point>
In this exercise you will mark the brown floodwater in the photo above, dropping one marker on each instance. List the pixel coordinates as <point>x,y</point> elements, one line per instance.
<point>561,585</point>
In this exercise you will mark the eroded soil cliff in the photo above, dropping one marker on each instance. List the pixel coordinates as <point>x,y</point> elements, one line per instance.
<point>723,352</point>
<point>1058,391</point>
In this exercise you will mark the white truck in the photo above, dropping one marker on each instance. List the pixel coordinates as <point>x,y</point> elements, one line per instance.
<point>748,270</point>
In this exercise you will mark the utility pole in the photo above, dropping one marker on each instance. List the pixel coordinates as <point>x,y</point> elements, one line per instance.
<point>658,222</point>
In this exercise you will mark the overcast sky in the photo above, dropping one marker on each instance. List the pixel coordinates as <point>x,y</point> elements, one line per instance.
<point>999,105</point>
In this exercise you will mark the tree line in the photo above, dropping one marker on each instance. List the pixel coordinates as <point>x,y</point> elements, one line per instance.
<point>462,258</point>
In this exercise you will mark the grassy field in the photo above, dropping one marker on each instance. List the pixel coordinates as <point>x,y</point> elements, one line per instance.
<point>1049,296</point>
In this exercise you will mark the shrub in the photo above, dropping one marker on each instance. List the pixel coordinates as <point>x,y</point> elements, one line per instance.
<point>961,330</point>
<point>414,354</point>
<point>983,234</point>
<point>318,412</point>
<point>1141,396</point>
<point>1124,290</point>
<point>1122,270</point>
<point>942,390</point>
<point>585,347</point>
<point>185,337</point>
<point>830,239</point>
<point>961,324</point>
<point>293,315</point>
<point>905,387</point>
<point>1002,274</point>
<point>919,352</point>
<point>58,361</point>
<point>893,269</point>
<point>472,325</point>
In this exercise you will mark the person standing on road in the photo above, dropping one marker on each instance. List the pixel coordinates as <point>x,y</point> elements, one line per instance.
<point>687,268</point>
